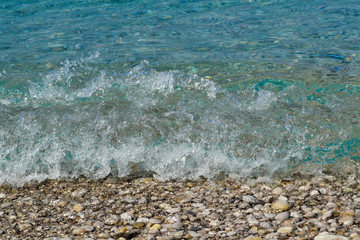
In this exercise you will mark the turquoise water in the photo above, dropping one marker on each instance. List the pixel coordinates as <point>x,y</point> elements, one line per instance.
<point>177,89</point>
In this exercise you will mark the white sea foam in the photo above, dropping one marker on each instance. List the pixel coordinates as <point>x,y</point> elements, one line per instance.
<point>170,124</point>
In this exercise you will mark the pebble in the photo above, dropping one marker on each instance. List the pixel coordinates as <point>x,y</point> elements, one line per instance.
<point>327,215</point>
<point>139,225</point>
<point>346,220</point>
<point>98,224</point>
<point>177,225</point>
<point>265,225</point>
<point>285,230</point>
<point>280,206</point>
<point>331,205</point>
<point>282,216</point>
<point>250,199</point>
<point>78,208</point>
<point>179,234</point>
<point>126,216</point>
<point>88,228</point>
<point>154,221</point>
<point>330,237</point>
<point>252,238</point>
<point>194,234</point>
<point>277,191</point>
<point>22,227</point>
<point>78,193</point>
<point>304,188</point>
<point>155,226</point>
<point>203,209</point>
<point>111,220</point>
<point>78,231</point>
<point>314,193</point>
<point>103,235</point>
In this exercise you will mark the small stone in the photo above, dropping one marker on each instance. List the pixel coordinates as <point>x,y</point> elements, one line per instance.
<point>285,230</point>
<point>314,193</point>
<point>155,226</point>
<point>62,203</point>
<point>98,224</point>
<point>5,205</point>
<point>142,200</point>
<point>194,234</point>
<point>282,199</point>
<point>144,220</point>
<point>309,214</point>
<point>252,221</point>
<point>154,221</point>
<point>138,225</point>
<point>231,233</point>
<point>22,227</point>
<point>179,234</point>
<point>2,195</point>
<point>280,206</point>
<point>346,220</point>
<point>111,220</point>
<point>126,216</point>
<point>327,215</point>
<point>252,238</point>
<point>330,237</point>
<point>296,215</point>
<point>188,236</point>
<point>160,238</point>
<point>324,191</point>
<point>277,191</point>
<point>88,228</point>
<point>78,231</point>
<point>78,208</point>
<point>282,216</point>
<point>250,199</point>
<point>172,210</point>
<point>265,225</point>
<point>354,235</point>
<point>78,193</point>
<point>331,205</point>
<point>177,225</point>
<point>304,188</point>
<point>103,235</point>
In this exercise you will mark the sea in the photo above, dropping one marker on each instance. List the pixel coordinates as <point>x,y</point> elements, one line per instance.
<point>178,89</point>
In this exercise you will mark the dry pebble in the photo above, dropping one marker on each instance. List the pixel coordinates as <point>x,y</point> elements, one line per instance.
<point>78,207</point>
<point>319,208</point>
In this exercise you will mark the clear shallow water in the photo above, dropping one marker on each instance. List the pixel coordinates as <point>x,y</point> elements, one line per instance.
<point>179,89</point>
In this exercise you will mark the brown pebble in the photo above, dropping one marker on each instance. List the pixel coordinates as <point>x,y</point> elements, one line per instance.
<point>78,231</point>
<point>78,207</point>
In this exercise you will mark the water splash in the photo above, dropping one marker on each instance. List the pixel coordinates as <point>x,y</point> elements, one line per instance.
<point>79,120</point>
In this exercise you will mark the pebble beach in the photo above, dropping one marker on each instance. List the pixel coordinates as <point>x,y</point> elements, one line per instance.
<point>318,208</point>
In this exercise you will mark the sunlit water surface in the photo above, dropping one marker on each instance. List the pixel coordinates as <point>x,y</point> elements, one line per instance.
<point>178,89</point>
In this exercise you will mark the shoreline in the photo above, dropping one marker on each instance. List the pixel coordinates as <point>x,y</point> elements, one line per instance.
<point>145,208</point>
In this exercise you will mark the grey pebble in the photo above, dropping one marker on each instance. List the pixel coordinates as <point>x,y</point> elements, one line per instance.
<point>250,199</point>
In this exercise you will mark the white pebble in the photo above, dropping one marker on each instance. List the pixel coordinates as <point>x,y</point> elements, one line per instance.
<point>277,191</point>
<point>314,193</point>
